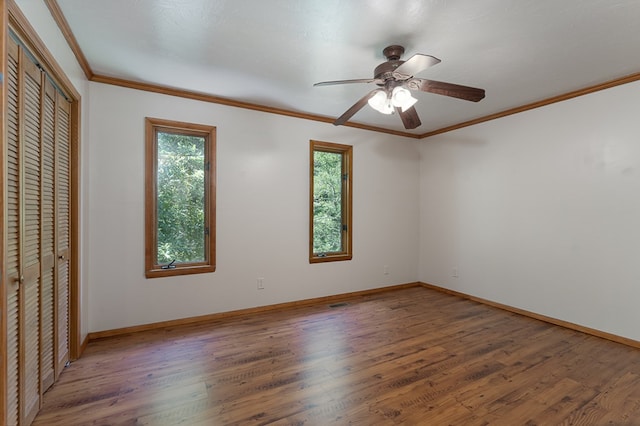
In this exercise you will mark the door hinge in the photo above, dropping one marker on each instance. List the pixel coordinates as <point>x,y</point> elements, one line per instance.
<point>206,230</point>
<point>344,227</point>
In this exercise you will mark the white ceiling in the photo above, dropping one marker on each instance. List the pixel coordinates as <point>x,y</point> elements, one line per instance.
<point>270,52</point>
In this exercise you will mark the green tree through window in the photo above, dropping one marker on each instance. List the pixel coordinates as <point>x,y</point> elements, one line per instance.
<point>327,202</point>
<point>180,194</point>
<point>330,204</point>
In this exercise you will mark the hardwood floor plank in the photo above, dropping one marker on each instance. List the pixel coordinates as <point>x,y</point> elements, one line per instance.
<point>411,356</point>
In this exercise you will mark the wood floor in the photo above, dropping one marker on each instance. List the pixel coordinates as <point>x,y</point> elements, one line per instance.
<point>414,356</point>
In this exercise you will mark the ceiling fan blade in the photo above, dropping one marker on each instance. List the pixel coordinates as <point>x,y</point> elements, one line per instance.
<point>409,118</point>
<point>467,93</point>
<point>360,80</point>
<point>414,65</point>
<point>355,108</point>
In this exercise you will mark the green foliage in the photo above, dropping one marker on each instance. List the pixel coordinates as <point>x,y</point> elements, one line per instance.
<point>327,202</point>
<point>180,198</point>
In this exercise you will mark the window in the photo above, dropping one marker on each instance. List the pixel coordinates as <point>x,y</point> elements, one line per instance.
<point>180,198</point>
<point>330,202</point>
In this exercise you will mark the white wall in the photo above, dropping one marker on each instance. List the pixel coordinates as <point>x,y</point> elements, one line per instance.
<point>262,211</point>
<point>537,210</point>
<point>541,210</point>
<point>40,19</point>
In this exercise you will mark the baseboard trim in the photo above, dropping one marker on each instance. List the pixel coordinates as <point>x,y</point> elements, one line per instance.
<point>244,312</point>
<point>83,345</point>
<point>551,320</point>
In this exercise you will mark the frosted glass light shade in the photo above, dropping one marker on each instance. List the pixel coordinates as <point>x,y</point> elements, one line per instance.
<point>401,98</point>
<point>381,102</point>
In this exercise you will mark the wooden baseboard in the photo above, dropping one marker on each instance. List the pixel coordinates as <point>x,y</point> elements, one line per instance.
<point>244,312</point>
<point>555,321</point>
<point>84,344</point>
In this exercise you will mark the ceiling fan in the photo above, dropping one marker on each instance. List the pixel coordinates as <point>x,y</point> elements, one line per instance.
<point>396,78</point>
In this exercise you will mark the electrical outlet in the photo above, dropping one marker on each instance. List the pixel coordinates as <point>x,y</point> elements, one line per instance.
<point>385,270</point>
<point>454,272</point>
<point>260,283</point>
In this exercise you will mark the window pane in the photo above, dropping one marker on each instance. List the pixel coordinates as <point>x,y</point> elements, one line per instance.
<point>180,198</point>
<point>327,202</point>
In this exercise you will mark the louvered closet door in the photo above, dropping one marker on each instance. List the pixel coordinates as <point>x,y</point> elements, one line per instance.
<point>37,211</point>
<point>48,360</point>
<point>30,249</point>
<point>23,238</point>
<point>12,248</point>
<point>63,228</point>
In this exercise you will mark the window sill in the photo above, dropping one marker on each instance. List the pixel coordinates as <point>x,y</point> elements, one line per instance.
<point>330,258</point>
<point>179,270</point>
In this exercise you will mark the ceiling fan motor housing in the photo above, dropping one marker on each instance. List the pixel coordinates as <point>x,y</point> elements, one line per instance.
<point>385,71</point>
<point>393,52</point>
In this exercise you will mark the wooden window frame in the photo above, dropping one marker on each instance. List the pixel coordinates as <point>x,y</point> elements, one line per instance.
<point>152,127</point>
<point>346,253</point>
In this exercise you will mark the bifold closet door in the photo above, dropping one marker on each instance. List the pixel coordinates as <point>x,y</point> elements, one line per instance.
<point>62,229</point>
<point>30,249</point>
<point>12,235</point>
<point>37,235</point>
<point>47,319</point>
<point>55,221</point>
<point>23,256</point>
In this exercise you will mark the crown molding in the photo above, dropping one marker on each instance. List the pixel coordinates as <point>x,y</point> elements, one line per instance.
<point>566,96</point>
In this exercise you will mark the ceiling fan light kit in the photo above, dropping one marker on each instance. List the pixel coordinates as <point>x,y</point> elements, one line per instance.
<point>385,102</point>
<point>396,78</point>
